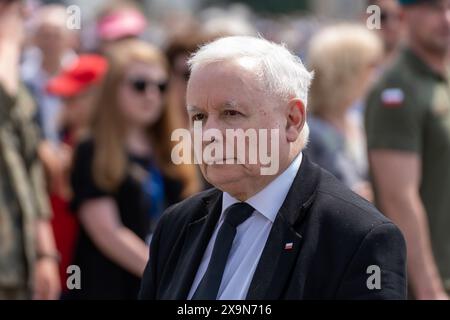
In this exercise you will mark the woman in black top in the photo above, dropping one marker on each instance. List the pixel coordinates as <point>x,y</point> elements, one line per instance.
<point>123,176</point>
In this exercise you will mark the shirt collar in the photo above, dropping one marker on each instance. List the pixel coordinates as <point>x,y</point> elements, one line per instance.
<point>270,199</point>
<point>419,64</point>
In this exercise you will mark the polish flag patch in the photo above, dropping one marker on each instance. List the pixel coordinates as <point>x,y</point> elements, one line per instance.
<point>392,97</point>
<point>288,246</point>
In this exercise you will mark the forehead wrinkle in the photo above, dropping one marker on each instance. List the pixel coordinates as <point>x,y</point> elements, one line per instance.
<point>229,104</point>
<point>245,73</point>
<point>240,80</point>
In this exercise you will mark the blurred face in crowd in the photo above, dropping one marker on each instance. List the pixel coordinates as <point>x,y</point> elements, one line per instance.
<point>429,25</point>
<point>52,36</point>
<point>78,108</point>
<point>12,17</point>
<point>141,93</point>
<point>390,23</point>
<point>227,95</point>
<point>19,4</point>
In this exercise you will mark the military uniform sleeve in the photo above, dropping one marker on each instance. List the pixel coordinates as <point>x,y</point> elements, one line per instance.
<point>33,139</point>
<point>40,189</point>
<point>17,111</point>
<point>6,104</point>
<point>6,101</point>
<point>393,120</point>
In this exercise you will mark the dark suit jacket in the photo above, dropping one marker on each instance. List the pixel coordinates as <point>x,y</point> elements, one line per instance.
<point>336,236</point>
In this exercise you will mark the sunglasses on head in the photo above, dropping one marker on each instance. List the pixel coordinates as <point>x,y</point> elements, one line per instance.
<point>140,85</point>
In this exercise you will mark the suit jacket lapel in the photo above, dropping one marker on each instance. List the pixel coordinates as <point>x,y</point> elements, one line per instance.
<point>197,237</point>
<point>275,263</point>
<point>283,245</point>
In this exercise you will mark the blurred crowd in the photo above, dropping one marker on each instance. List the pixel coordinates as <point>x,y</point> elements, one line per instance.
<point>86,117</point>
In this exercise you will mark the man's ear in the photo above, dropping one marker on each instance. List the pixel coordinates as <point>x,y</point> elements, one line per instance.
<point>296,118</point>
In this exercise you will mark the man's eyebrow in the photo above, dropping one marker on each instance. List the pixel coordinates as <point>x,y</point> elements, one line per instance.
<point>192,108</point>
<point>226,105</point>
<point>229,105</point>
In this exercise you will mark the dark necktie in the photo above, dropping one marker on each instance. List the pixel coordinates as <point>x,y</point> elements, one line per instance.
<point>210,283</point>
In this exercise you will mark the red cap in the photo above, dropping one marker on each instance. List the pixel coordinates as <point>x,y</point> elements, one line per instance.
<point>86,70</point>
<point>123,23</point>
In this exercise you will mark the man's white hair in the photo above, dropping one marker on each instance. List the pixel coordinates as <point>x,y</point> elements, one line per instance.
<point>282,72</point>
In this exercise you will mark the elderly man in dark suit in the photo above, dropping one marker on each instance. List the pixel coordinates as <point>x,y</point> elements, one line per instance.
<point>296,233</point>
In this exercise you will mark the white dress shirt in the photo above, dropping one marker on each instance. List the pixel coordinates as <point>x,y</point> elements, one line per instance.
<point>251,236</point>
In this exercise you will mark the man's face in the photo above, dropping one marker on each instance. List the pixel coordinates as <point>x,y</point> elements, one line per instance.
<point>51,38</point>
<point>229,96</point>
<point>429,25</point>
<point>391,30</point>
<point>12,17</point>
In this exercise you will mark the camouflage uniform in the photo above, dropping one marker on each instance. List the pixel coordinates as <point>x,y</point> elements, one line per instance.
<point>23,198</point>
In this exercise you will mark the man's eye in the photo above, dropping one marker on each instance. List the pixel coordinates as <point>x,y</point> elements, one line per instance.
<point>198,117</point>
<point>231,113</point>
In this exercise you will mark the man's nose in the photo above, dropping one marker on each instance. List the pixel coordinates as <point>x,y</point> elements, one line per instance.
<point>210,123</point>
<point>211,129</point>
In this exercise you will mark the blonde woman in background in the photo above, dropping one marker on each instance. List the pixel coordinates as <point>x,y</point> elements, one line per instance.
<point>123,176</point>
<point>344,59</point>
